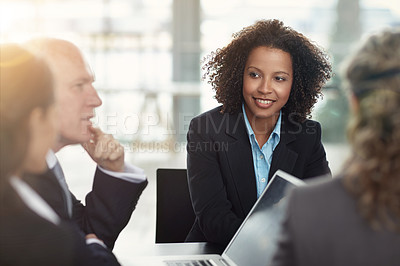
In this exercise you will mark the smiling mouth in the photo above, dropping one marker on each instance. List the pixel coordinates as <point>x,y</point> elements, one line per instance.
<point>264,101</point>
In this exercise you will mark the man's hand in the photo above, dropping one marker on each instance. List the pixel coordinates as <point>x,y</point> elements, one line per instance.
<point>105,150</point>
<point>92,236</point>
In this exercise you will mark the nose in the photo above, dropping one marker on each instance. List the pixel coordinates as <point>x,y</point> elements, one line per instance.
<point>94,99</point>
<point>265,86</point>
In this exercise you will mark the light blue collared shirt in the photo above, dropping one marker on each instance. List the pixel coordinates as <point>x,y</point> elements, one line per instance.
<point>262,157</point>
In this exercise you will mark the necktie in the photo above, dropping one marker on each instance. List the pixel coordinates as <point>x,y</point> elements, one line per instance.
<point>61,179</point>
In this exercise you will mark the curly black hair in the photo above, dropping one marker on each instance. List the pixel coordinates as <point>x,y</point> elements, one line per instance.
<point>311,66</point>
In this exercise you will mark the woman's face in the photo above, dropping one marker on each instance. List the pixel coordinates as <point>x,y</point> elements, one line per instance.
<point>43,126</point>
<point>267,81</point>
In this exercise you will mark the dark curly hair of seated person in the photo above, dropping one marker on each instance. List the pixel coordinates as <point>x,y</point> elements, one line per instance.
<point>311,67</point>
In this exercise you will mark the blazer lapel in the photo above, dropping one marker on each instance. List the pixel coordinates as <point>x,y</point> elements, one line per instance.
<point>283,157</point>
<point>240,160</point>
<point>48,187</point>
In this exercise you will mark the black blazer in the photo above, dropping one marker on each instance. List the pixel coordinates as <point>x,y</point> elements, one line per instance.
<point>221,174</point>
<point>109,205</point>
<point>323,226</point>
<point>28,239</point>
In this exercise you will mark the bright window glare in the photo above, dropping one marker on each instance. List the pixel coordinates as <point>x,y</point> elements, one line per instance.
<point>392,5</point>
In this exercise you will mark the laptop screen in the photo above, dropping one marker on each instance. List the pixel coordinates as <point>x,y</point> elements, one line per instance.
<point>255,241</point>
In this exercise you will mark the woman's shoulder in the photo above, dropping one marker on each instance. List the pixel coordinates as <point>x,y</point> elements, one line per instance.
<point>216,117</point>
<point>321,191</point>
<point>322,183</point>
<point>215,112</point>
<point>215,122</point>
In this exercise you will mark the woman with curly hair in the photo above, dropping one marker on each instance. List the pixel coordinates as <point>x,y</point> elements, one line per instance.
<point>267,79</point>
<point>354,219</point>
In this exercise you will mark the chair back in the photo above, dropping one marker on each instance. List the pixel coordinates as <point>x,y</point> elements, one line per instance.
<point>174,214</point>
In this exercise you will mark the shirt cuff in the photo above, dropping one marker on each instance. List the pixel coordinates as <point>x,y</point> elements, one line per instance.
<point>95,241</point>
<point>131,173</point>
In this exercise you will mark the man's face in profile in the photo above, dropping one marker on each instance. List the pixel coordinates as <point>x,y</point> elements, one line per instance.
<point>76,96</point>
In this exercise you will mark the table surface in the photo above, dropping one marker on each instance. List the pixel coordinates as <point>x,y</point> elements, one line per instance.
<point>155,254</point>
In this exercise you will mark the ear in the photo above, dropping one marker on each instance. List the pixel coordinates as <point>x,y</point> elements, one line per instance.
<point>35,118</point>
<point>36,121</point>
<point>354,103</point>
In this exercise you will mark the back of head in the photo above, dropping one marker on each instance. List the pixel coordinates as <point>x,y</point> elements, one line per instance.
<point>25,84</point>
<point>373,173</point>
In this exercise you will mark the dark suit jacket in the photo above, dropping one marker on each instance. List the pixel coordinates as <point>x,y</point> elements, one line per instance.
<point>109,205</point>
<point>28,239</point>
<point>323,226</point>
<point>221,174</point>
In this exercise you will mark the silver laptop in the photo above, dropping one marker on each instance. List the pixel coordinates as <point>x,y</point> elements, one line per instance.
<point>255,241</point>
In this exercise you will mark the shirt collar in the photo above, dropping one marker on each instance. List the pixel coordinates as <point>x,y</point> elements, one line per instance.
<point>51,159</point>
<point>276,131</point>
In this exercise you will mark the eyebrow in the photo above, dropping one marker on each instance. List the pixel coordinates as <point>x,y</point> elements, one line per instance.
<point>83,79</point>
<point>277,72</point>
<point>283,72</point>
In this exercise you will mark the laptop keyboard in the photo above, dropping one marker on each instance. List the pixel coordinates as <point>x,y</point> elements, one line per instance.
<point>189,263</point>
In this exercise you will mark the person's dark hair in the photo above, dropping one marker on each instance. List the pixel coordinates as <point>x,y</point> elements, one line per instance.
<point>311,67</point>
<point>372,173</point>
<point>25,83</point>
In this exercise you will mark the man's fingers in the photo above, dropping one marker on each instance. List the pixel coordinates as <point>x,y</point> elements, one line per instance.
<point>105,150</point>
<point>117,153</point>
<point>96,132</point>
<point>103,146</point>
<point>88,236</point>
<point>89,146</point>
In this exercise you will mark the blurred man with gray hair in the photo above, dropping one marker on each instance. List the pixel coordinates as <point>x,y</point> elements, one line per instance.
<point>117,185</point>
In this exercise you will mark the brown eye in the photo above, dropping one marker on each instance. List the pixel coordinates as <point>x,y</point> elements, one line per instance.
<point>254,74</point>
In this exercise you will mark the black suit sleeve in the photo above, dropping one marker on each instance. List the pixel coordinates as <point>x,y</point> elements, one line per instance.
<point>109,206</point>
<point>92,254</point>
<point>317,165</point>
<point>215,220</point>
<point>28,239</point>
<point>96,254</point>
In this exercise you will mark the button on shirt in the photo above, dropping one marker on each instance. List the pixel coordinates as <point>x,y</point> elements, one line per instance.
<point>262,157</point>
